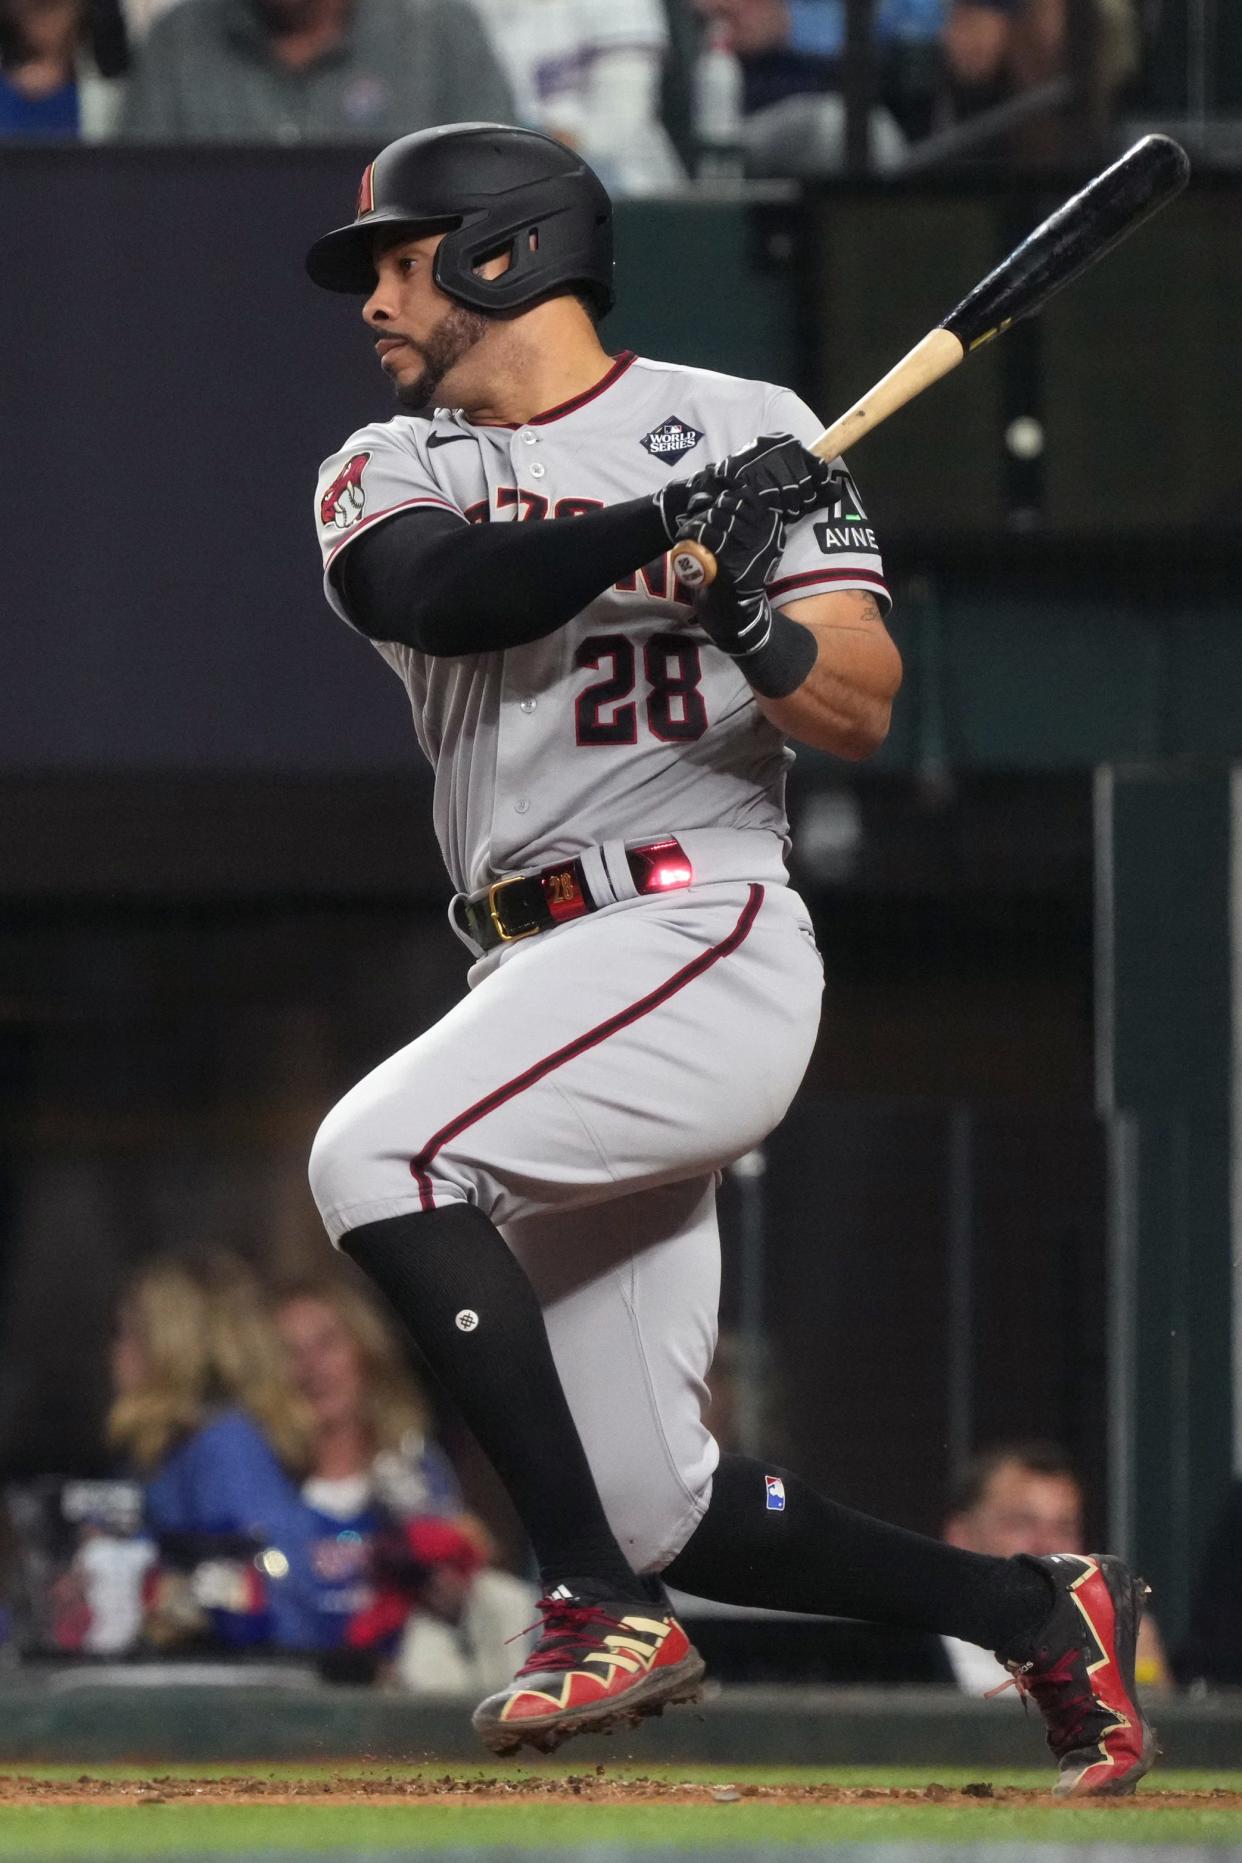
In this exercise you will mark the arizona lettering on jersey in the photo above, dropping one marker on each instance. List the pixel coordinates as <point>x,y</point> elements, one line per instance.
<point>548,748</point>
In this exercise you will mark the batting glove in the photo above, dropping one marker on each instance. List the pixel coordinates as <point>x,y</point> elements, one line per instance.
<point>746,535</point>
<point>782,474</point>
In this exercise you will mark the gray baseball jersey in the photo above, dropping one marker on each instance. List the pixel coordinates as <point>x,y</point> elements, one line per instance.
<point>612,1064</point>
<point>582,736</point>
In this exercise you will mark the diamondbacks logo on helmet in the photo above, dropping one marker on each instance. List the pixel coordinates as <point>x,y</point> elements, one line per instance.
<point>671,440</point>
<point>366,191</point>
<point>343,502</point>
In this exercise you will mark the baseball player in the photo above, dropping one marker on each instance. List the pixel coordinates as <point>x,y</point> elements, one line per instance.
<point>531,1182</point>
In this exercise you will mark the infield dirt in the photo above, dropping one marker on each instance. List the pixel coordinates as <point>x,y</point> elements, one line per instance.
<point>343,1790</point>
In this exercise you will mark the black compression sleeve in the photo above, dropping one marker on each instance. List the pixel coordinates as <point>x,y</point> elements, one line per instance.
<point>445,587</point>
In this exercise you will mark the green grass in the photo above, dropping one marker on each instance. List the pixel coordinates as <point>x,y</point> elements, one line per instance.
<point>81,1831</point>
<point>251,1830</point>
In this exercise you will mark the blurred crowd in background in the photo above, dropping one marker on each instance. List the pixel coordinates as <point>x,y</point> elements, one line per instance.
<point>654,92</point>
<point>277,1490</point>
<point>279,1493</point>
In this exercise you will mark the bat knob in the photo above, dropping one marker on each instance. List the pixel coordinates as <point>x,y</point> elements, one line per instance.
<point>694,566</point>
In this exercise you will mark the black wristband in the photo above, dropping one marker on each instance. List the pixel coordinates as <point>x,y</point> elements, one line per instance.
<point>783,662</point>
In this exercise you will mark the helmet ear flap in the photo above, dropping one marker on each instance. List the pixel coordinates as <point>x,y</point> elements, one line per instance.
<point>551,245</point>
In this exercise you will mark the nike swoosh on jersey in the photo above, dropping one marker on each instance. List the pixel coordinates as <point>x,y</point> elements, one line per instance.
<point>444,439</point>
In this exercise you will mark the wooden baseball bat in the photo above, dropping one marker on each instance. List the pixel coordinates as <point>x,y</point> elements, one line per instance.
<point>1090,224</point>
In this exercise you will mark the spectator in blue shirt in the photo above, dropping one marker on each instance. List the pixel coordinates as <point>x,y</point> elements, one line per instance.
<point>373,1462</point>
<point>205,1414</point>
<point>402,1568</point>
<point>277,1456</point>
<point>59,60</point>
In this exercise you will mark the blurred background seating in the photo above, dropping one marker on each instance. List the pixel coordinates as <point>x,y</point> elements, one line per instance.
<point>589,72</point>
<point>930,64</point>
<point>657,93</point>
<point>61,63</point>
<point>279,1495</point>
<point>311,71</point>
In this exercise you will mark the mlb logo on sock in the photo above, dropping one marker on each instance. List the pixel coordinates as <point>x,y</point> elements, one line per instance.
<point>776,1493</point>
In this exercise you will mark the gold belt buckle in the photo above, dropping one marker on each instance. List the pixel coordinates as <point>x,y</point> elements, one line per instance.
<point>506,937</point>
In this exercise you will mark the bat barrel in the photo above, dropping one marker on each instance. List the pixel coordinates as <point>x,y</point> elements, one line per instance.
<point>1073,238</point>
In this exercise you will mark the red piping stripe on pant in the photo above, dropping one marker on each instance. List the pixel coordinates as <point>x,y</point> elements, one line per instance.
<point>591,1039</point>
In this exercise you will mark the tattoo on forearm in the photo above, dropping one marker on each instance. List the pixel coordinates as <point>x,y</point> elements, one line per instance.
<point>869,614</point>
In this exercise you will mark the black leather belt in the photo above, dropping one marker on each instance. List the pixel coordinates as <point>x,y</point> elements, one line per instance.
<point>534,902</point>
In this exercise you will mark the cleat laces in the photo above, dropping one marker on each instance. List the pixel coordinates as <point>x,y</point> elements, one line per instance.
<point>571,1633</point>
<point>1066,1714</point>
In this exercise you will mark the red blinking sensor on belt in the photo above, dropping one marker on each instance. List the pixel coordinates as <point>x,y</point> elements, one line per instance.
<point>660,868</point>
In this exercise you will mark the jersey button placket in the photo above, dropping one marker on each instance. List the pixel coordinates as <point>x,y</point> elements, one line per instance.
<point>526,468</point>
<point>532,468</point>
<point>513,761</point>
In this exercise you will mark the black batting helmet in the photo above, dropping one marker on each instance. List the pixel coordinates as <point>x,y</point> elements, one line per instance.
<point>489,189</point>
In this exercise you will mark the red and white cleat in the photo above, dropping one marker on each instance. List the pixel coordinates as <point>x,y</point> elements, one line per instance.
<point>1079,1671</point>
<point>600,1663</point>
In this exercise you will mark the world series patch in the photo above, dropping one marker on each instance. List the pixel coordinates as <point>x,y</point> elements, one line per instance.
<point>671,440</point>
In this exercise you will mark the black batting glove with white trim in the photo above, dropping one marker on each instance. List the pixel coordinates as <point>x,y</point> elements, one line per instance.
<point>782,473</point>
<point>746,535</point>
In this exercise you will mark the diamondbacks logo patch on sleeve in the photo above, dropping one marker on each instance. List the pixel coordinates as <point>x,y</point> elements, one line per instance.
<point>671,440</point>
<point>344,501</point>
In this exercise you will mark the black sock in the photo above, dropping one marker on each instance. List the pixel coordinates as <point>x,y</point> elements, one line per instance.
<point>813,1555</point>
<point>475,1317</point>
